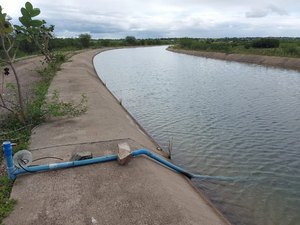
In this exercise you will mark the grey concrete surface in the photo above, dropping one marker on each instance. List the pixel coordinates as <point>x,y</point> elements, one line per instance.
<point>142,192</point>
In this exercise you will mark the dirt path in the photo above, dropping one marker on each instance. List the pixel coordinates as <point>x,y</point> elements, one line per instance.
<point>28,75</point>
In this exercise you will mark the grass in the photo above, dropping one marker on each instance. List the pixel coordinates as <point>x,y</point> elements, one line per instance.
<point>12,129</point>
<point>6,204</point>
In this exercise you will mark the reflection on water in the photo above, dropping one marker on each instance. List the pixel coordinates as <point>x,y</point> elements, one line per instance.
<point>225,118</point>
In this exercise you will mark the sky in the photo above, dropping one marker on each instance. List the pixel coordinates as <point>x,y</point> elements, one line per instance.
<point>166,18</point>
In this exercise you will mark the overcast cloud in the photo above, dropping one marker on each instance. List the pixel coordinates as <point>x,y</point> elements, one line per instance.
<point>263,12</point>
<point>166,18</point>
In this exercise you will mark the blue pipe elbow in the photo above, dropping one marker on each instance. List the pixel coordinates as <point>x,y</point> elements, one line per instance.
<point>162,161</point>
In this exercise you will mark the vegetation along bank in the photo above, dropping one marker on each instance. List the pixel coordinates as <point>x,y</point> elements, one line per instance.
<point>281,52</point>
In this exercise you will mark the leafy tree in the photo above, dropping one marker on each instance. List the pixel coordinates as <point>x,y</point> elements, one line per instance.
<point>130,40</point>
<point>31,30</point>
<point>8,40</point>
<point>34,30</point>
<point>85,40</point>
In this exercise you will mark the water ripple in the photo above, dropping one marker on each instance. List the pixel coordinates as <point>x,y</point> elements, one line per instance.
<point>224,118</point>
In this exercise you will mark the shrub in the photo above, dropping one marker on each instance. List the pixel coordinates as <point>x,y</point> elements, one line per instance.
<point>266,43</point>
<point>186,43</point>
<point>85,40</point>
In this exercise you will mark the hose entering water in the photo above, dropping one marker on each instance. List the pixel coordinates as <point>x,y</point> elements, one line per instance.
<point>179,169</point>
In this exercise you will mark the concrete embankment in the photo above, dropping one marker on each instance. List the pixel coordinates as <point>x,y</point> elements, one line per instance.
<point>142,192</point>
<point>272,61</point>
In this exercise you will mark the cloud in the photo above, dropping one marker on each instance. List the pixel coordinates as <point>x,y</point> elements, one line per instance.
<point>166,18</point>
<point>258,13</point>
<point>279,11</point>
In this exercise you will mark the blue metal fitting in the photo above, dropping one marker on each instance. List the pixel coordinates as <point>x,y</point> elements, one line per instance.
<point>7,148</point>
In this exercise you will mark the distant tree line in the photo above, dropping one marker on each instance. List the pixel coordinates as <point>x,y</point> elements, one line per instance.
<point>86,41</point>
<point>248,45</point>
<point>289,47</point>
<point>226,44</point>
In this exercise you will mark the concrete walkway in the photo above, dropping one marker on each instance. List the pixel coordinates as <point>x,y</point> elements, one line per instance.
<point>143,192</point>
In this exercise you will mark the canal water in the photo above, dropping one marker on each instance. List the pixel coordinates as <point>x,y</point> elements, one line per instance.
<point>223,118</point>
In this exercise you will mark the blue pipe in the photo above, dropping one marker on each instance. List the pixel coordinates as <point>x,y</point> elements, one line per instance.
<point>7,148</point>
<point>162,161</point>
<point>177,168</point>
<point>63,165</point>
<point>13,171</point>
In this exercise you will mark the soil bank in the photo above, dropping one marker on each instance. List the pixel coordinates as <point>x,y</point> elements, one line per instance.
<point>142,192</point>
<point>272,61</point>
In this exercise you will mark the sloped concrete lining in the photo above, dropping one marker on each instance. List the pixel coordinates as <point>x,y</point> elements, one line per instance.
<point>142,192</point>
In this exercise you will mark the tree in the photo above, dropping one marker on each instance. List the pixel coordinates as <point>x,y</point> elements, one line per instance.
<point>85,40</point>
<point>130,40</point>
<point>35,31</point>
<point>31,30</point>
